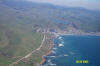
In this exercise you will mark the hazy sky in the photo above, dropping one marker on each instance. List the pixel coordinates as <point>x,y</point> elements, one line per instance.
<point>90,4</point>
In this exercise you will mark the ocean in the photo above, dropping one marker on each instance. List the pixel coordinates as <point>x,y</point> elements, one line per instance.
<point>74,50</point>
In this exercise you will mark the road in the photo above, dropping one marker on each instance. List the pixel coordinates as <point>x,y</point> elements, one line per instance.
<point>29,54</point>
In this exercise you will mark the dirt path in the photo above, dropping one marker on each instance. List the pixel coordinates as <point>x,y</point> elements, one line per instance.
<point>29,54</point>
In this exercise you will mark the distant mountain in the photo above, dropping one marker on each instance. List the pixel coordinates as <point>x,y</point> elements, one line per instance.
<point>22,22</point>
<point>83,19</point>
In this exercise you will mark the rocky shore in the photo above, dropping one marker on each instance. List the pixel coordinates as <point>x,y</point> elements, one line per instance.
<point>43,57</point>
<point>61,32</point>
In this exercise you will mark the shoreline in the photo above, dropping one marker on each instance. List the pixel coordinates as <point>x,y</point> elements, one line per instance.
<point>55,35</point>
<point>43,59</point>
<point>84,34</point>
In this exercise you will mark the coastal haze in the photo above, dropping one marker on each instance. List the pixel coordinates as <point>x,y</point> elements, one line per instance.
<point>89,4</point>
<point>27,28</point>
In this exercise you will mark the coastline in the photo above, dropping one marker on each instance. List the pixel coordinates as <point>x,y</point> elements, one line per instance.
<point>60,54</point>
<point>43,59</point>
<point>55,35</point>
<point>83,34</point>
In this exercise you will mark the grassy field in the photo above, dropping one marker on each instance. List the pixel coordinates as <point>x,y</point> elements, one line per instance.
<point>17,35</point>
<point>15,44</point>
<point>20,20</point>
<point>36,58</point>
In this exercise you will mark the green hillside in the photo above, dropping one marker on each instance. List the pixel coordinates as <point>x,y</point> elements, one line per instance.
<point>20,20</point>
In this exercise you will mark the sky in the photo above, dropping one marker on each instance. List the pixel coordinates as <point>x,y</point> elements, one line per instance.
<point>89,4</point>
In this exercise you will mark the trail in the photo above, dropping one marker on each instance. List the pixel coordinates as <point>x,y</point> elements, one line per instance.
<point>29,54</point>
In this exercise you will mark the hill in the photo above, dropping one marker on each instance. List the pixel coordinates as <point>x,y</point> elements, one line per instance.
<point>21,20</point>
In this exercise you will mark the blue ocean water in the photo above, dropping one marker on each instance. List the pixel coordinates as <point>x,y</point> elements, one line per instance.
<point>70,48</point>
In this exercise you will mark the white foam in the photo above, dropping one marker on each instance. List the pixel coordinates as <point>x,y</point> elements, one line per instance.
<point>66,55</point>
<point>49,60</point>
<point>60,45</point>
<point>60,38</point>
<point>53,56</point>
<point>54,48</point>
<point>54,52</point>
<point>50,63</point>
